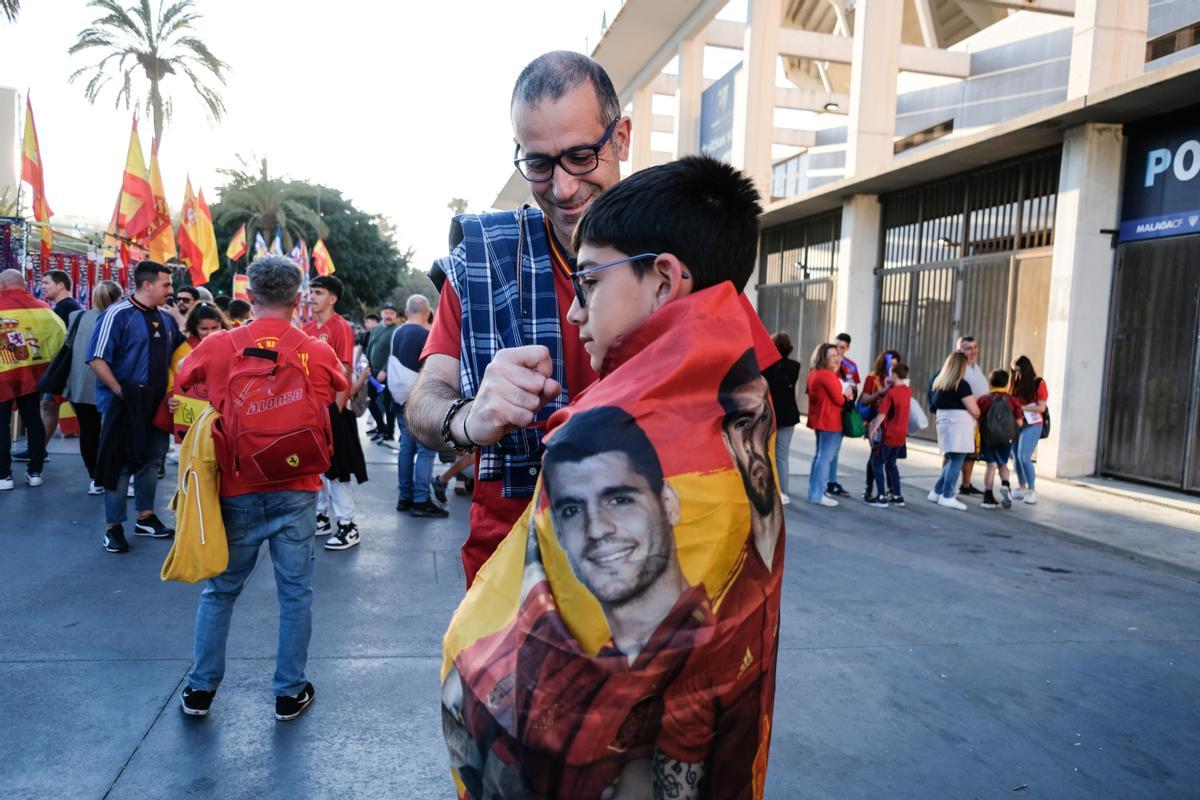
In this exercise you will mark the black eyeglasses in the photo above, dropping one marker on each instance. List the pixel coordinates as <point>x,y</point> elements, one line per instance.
<point>576,161</point>
<point>578,276</point>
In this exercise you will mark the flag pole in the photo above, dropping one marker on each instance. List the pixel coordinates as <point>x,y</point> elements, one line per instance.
<point>20,180</point>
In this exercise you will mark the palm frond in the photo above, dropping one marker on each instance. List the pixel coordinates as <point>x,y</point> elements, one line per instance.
<point>143,12</point>
<point>203,55</point>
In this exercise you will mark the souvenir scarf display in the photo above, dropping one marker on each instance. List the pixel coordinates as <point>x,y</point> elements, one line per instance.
<point>621,641</point>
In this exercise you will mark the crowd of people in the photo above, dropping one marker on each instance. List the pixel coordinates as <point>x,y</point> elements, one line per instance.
<point>997,418</point>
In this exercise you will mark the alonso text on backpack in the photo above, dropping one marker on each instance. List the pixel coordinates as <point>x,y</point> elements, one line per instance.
<point>272,427</point>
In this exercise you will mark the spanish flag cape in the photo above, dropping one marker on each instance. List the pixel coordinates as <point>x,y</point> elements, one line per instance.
<point>621,641</point>
<point>30,336</point>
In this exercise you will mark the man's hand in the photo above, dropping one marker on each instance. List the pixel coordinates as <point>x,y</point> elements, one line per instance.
<point>515,386</point>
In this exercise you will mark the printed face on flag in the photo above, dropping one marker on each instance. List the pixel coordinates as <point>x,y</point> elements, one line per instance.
<point>747,427</point>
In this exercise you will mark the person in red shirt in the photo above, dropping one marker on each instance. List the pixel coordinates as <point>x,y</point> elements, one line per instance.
<point>873,388</point>
<point>888,434</point>
<point>996,454</point>
<point>337,495</point>
<point>283,514</point>
<point>826,396</point>
<point>569,147</point>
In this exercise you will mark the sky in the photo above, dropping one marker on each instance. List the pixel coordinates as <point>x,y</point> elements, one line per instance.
<point>401,106</point>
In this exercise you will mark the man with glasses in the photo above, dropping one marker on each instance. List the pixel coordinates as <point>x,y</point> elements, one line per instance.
<point>501,357</point>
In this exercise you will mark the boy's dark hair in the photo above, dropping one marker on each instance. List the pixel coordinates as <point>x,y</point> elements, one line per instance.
<point>998,379</point>
<point>239,309</point>
<point>373,316</point>
<point>783,343</point>
<point>223,301</point>
<point>843,337</point>
<point>698,209</point>
<point>900,370</point>
<point>59,277</point>
<point>329,283</point>
<point>148,271</point>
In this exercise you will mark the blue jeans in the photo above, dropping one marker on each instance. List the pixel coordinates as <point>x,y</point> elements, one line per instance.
<point>1027,441</point>
<point>783,445</point>
<point>287,521</point>
<point>145,481</point>
<point>885,471</point>
<point>951,474</point>
<point>413,482</point>
<point>823,463</point>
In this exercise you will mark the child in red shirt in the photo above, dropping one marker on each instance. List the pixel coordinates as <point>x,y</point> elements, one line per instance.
<point>888,434</point>
<point>997,454</point>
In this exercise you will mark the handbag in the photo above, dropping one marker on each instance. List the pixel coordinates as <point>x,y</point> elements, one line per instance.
<point>1045,424</point>
<point>853,426</point>
<point>201,548</point>
<point>54,379</point>
<point>917,419</point>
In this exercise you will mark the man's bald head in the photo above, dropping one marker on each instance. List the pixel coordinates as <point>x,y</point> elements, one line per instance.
<point>12,279</point>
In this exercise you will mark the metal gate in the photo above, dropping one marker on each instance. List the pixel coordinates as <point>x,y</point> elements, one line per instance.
<point>1150,430</point>
<point>804,311</point>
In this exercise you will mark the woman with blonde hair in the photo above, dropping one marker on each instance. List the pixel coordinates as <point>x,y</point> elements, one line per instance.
<point>826,396</point>
<point>81,383</point>
<point>957,411</point>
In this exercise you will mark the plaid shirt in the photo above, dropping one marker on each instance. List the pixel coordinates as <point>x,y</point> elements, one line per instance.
<point>503,306</point>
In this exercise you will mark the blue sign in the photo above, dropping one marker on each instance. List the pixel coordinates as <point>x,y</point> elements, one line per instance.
<point>1162,177</point>
<point>716,117</point>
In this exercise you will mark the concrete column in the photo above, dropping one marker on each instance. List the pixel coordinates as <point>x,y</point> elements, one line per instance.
<point>874,68</point>
<point>643,125</point>
<point>754,95</point>
<point>10,142</point>
<point>858,255</point>
<point>687,94</point>
<point>1109,44</point>
<point>1089,188</point>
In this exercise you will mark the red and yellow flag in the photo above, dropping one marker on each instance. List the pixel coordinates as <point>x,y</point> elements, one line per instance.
<point>31,173</point>
<point>161,233</point>
<point>197,241</point>
<point>207,237</point>
<point>135,212</point>
<point>321,259</point>
<point>237,245</point>
<point>241,287</point>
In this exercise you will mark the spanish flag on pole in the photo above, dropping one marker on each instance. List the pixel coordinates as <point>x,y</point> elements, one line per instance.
<point>135,213</point>
<point>208,237</point>
<point>161,234</point>
<point>197,242</point>
<point>237,245</point>
<point>321,259</point>
<point>31,173</point>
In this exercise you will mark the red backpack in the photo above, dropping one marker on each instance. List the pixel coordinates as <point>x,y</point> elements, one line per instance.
<point>272,427</point>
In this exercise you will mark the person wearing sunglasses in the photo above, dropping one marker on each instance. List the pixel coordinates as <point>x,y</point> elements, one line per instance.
<point>501,357</point>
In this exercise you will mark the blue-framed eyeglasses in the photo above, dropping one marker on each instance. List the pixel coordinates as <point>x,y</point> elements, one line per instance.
<point>576,161</point>
<point>578,276</point>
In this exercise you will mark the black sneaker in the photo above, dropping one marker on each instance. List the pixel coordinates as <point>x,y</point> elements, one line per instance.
<point>868,496</point>
<point>289,707</point>
<point>967,490</point>
<point>877,502</point>
<point>837,490</point>
<point>152,526</point>
<point>897,500</point>
<point>989,500</point>
<point>195,702</point>
<point>403,505</point>
<point>439,490</point>
<point>428,509</point>
<point>346,537</point>
<point>323,524</point>
<point>114,539</point>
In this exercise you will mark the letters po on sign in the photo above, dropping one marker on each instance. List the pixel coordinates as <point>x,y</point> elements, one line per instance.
<point>1184,162</point>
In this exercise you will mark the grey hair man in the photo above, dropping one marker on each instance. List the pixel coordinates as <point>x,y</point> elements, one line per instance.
<point>414,479</point>
<point>282,513</point>
<point>482,388</point>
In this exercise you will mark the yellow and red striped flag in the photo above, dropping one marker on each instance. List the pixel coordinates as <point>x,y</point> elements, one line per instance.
<point>241,286</point>
<point>161,233</point>
<point>135,212</point>
<point>321,259</point>
<point>190,250</point>
<point>237,245</point>
<point>207,237</point>
<point>31,173</point>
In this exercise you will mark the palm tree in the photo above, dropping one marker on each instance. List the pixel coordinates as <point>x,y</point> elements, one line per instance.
<point>150,46</point>
<point>265,203</point>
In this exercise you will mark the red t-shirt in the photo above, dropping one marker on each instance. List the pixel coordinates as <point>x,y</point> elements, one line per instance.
<point>492,514</point>
<point>825,400</point>
<point>209,363</point>
<point>336,333</point>
<point>894,407</point>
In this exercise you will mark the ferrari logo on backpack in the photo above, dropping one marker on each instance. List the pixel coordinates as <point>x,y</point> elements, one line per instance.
<point>293,460</point>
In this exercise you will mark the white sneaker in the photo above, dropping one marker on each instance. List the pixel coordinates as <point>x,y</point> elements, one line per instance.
<point>130,491</point>
<point>950,502</point>
<point>784,499</point>
<point>1030,498</point>
<point>1018,493</point>
<point>94,489</point>
<point>933,496</point>
<point>33,478</point>
<point>6,484</point>
<point>827,501</point>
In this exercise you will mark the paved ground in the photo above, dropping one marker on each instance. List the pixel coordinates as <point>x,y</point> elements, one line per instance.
<point>926,653</point>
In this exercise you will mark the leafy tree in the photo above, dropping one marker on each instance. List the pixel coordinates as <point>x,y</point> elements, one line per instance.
<point>362,245</point>
<point>264,204</point>
<point>137,43</point>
